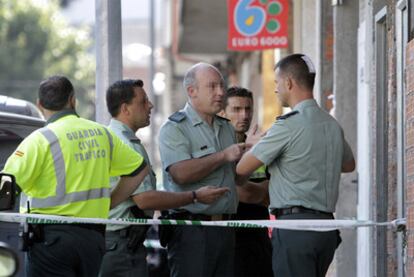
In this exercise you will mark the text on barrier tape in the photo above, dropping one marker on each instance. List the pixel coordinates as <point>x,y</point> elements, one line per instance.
<point>294,224</point>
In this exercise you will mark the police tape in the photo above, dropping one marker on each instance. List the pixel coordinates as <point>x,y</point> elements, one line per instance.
<point>294,224</point>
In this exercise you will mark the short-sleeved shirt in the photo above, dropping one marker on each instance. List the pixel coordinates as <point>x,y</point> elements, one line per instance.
<point>190,137</point>
<point>64,168</point>
<point>128,136</point>
<point>304,153</point>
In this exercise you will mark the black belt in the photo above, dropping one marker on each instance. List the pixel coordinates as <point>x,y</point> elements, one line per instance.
<point>95,227</point>
<point>202,217</point>
<point>123,233</point>
<point>297,210</point>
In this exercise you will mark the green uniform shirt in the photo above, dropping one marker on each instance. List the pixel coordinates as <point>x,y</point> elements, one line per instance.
<point>189,137</point>
<point>64,168</point>
<point>304,153</point>
<point>123,209</point>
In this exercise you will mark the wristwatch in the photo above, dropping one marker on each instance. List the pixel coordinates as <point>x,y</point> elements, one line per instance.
<point>194,197</point>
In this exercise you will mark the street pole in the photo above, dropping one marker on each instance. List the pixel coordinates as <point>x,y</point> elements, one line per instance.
<point>108,52</point>
<point>153,96</point>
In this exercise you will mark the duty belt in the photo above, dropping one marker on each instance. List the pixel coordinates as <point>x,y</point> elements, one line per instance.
<point>202,217</point>
<point>297,210</point>
<point>100,228</point>
<point>125,232</point>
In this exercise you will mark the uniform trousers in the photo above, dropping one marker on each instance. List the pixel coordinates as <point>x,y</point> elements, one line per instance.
<point>253,255</point>
<point>303,253</point>
<point>119,260</point>
<point>201,251</point>
<point>66,250</point>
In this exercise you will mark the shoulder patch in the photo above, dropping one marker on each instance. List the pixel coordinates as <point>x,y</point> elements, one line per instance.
<point>285,116</point>
<point>223,118</point>
<point>177,117</point>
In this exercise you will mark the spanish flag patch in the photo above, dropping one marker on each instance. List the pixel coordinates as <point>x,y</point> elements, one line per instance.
<point>19,153</point>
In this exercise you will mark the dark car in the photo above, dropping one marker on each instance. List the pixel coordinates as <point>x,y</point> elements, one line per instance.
<point>9,262</point>
<point>18,119</point>
<point>18,106</point>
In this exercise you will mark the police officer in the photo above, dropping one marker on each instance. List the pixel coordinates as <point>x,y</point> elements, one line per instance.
<point>125,255</point>
<point>253,255</point>
<point>63,169</point>
<point>198,148</point>
<point>305,152</point>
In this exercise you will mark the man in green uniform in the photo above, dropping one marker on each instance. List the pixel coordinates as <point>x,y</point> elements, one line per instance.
<point>305,151</point>
<point>253,255</point>
<point>64,169</point>
<point>125,255</point>
<point>197,149</point>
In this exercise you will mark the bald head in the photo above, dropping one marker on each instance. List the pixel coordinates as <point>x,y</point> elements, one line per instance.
<point>204,85</point>
<point>190,77</point>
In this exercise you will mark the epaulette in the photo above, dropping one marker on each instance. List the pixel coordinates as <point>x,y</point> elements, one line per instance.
<point>285,116</point>
<point>132,138</point>
<point>220,117</point>
<point>177,117</point>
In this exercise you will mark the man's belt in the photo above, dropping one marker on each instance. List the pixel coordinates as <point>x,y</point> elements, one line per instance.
<point>95,227</point>
<point>297,210</point>
<point>123,233</point>
<point>202,217</point>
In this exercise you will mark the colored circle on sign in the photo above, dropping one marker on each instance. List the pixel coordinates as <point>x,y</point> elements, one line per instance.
<point>274,8</point>
<point>272,26</point>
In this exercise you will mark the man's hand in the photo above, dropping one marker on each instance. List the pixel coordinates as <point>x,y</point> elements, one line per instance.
<point>254,135</point>
<point>235,152</point>
<point>210,194</point>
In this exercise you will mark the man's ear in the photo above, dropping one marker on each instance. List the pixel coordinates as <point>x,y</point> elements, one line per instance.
<point>124,108</point>
<point>72,101</point>
<point>39,105</point>
<point>288,83</point>
<point>191,91</point>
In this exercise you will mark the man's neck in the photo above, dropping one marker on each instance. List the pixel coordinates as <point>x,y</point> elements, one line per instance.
<point>127,123</point>
<point>49,113</point>
<point>208,118</point>
<point>299,97</point>
<point>240,137</point>
<point>205,117</point>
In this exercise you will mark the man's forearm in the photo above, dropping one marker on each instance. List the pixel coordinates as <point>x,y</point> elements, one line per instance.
<point>190,171</point>
<point>162,200</point>
<point>126,186</point>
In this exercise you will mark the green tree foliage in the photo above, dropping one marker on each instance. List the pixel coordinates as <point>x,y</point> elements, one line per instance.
<point>36,42</point>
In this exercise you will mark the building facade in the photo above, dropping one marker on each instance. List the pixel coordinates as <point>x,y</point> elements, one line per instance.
<point>364,54</point>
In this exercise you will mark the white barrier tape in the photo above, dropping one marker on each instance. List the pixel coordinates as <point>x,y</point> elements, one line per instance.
<point>294,224</point>
<point>153,243</point>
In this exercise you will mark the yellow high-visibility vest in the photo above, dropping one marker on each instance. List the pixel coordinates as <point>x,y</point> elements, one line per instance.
<point>64,168</point>
<point>259,173</point>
